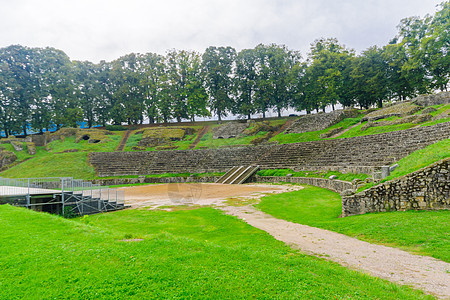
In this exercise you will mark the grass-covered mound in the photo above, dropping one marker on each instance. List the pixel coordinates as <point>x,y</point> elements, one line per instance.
<point>417,160</point>
<point>186,254</point>
<point>422,232</point>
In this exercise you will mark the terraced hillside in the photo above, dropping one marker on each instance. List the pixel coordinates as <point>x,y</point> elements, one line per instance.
<point>354,141</point>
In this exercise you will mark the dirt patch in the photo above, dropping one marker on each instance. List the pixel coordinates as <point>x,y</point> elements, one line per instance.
<point>195,193</point>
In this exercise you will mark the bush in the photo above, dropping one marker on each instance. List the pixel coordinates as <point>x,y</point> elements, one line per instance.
<point>115,128</point>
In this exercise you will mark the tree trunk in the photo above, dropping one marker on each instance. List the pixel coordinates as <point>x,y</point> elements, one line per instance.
<point>308,112</point>
<point>219,115</point>
<point>279,112</point>
<point>25,130</point>
<point>248,117</point>
<point>380,103</point>
<point>332,106</point>
<point>264,114</point>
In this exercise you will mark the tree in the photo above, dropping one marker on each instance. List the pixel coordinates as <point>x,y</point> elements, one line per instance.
<point>329,73</point>
<point>152,70</point>
<point>245,82</point>
<point>434,48</point>
<point>217,66</point>
<point>87,89</point>
<point>275,64</point>
<point>370,77</point>
<point>128,95</point>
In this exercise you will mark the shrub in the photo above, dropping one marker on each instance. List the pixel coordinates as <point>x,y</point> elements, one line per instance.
<point>115,128</point>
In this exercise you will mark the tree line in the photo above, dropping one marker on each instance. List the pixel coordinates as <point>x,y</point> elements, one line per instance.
<point>42,87</point>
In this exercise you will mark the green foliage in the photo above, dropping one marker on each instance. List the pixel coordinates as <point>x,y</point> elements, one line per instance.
<point>115,128</point>
<point>417,231</point>
<point>69,212</point>
<point>198,253</point>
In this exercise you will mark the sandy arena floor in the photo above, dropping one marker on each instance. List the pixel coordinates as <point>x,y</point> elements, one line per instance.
<point>194,193</point>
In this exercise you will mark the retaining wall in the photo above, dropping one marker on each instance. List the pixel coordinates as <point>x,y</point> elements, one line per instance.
<point>119,181</point>
<point>426,189</point>
<point>335,185</point>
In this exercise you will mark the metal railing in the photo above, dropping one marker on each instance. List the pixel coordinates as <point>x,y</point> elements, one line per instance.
<point>74,195</point>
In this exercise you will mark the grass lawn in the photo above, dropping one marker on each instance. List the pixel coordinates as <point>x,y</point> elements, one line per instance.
<point>53,165</point>
<point>421,232</point>
<point>184,254</point>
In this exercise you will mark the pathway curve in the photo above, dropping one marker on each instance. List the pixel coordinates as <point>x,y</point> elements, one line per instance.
<point>422,272</point>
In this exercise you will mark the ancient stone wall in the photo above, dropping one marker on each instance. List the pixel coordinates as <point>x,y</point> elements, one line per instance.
<point>321,121</point>
<point>335,185</point>
<point>428,100</point>
<point>6,158</point>
<point>350,154</point>
<point>117,181</point>
<point>426,189</point>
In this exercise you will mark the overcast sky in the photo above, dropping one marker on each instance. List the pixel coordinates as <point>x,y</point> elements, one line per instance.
<point>107,29</point>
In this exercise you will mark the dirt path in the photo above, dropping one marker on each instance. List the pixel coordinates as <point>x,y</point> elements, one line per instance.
<point>123,141</point>
<point>422,272</point>
<point>201,133</point>
<point>345,130</point>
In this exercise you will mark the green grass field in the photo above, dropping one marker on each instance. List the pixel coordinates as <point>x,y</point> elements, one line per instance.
<point>193,254</point>
<point>421,232</point>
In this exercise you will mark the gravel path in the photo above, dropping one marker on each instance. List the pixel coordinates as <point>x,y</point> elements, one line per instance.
<point>422,272</point>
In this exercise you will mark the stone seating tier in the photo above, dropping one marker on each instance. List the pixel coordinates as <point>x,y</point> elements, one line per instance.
<point>338,154</point>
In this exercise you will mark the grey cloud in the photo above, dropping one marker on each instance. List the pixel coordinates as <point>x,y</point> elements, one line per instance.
<point>101,29</point>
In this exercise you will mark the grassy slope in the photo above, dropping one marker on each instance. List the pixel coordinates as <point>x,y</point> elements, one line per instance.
<point>186,254</point>
<point>417,231</point>
<point>417,160</point>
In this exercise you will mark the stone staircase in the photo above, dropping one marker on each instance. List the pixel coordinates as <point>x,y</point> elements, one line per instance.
<point>238,175</point>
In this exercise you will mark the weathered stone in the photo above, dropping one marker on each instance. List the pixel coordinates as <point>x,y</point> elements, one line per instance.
<point>314,122</point>
<point>7,158</point>
<point>404,193</point>
<point>429,100</point>
<point>31,148</point>
<point>393,167</point>
<point>385,171</point>
<point>18,146</point>
<point>229,130</point>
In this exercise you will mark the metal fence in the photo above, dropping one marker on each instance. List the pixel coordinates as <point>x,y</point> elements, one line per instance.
<point>73,195</point>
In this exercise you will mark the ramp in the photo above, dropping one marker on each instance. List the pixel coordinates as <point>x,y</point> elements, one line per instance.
<point>238,174</point>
